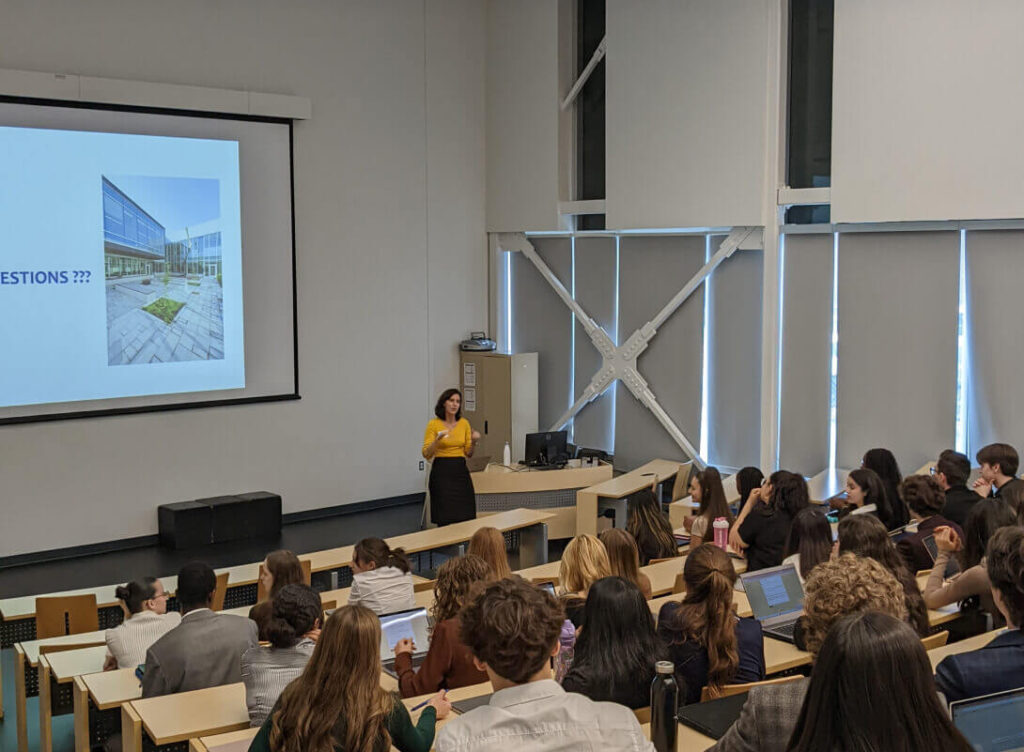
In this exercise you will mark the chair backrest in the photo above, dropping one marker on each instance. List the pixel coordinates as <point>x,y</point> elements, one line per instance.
<point>936,640</point>
<point>679,586</point>
<point>219,592</point>
<point>643,715</point>
<point>261,591</point>
<point>57,616</point>
<point>681,488</point>
<point>419,587</point>
<point>728,690</point>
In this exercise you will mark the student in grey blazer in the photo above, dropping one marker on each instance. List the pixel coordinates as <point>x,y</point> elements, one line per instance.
<point>845,585</point>
<point>205,650</point>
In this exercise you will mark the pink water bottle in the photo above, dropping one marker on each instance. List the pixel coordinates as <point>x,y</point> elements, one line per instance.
<point>721,527</point>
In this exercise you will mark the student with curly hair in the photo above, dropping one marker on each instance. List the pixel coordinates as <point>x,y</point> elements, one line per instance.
<point>999,665</point>
<point>845,585</point>
<point>448,663</point>
<point>924,498</point>
<point>864,535</point>
<point>292,630</point>
<point>512,629</point>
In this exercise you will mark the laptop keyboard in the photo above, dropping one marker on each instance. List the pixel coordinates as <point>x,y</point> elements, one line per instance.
<point>785,629</point>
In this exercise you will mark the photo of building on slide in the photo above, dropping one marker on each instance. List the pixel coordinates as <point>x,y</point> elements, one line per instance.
<point>162,255</point>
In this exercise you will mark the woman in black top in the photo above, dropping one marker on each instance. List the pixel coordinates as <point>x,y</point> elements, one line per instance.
<point>763,524</point>
<point>617,647</point>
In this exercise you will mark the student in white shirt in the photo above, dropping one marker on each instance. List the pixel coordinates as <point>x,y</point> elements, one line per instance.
<point>512,629</point>
<point>146,621</point>
<point>865,494</point>
<point>381,578</point>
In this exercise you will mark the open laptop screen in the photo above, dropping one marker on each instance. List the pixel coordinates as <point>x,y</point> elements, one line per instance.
<point>994,723</point>
<point>774,592</point>
<point>410,624</point>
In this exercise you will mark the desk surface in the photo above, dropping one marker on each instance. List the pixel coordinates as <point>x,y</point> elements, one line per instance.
<point>498,479</point>
<point>110,689</point>
<point>635,480</point>
<point>233,741</point>
<point>24,607</point>
<point>177,718</point>
<point>826,485</point>
<point>67,664</point>
<point>687,739</point>
<point>964,646</point>
<point>85,639</point>
<point>424,598</point>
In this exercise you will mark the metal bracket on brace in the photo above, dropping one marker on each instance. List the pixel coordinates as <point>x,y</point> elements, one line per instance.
<point>620,362</point>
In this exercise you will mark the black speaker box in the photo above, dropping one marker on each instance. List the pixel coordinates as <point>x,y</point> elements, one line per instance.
<point>249,515</point>
<point>184,524</point>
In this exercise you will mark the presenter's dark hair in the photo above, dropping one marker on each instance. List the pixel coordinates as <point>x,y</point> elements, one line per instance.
<point>618,647</point>
<point>135,593</point>
<point>445,396</point>
<point>381,554</point>
<point>296,610</point>
<point>873,655</point>
<point>955,466</point>
<point>986,516</point>
<point>1003,455</point>
<point>747,479</point>
<point>196,583</point>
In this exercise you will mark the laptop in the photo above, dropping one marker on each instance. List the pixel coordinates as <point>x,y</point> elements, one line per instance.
<point>993,723</point>
<point>931,546</point>
<point>548,586</point>
<point>464,706</point>
<point>776,598</point>
<point>412,624</point>
<point>714,717</point>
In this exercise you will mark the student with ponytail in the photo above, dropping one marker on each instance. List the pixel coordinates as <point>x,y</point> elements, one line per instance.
<point>709,645</point>
<point>381,578</point>
<point>292,630</point>
<point>145,605</point>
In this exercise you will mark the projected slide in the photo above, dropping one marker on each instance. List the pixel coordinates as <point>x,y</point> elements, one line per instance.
<point>120,266</point>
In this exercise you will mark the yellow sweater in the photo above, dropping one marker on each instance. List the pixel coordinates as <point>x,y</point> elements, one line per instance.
<point>455,444</point>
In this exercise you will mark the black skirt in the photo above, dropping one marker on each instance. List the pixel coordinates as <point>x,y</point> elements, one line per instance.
<point>451,491</point>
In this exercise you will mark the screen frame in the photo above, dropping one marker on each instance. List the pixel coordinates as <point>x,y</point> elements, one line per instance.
<point>191,405</point>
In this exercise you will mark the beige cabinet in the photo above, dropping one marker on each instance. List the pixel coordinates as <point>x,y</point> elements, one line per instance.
<point>499,399</point>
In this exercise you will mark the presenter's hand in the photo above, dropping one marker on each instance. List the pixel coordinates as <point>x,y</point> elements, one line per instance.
<point>475,436</point>
<point>439,702</point>
<point>404,646</point>
<point>442,433</point>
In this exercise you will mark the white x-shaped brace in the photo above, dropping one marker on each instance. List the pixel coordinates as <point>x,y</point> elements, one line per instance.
<point>620,362</point>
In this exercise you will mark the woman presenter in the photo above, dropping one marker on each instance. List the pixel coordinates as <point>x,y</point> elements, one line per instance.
<point>447,442</point>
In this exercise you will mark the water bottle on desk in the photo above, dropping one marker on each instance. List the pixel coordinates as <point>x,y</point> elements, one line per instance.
<point>664,700</point>
<point>506,455</point>
<point>721,528</point>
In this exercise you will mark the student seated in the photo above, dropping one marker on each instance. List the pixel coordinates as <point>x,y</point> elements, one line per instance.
<point>512,629</point>
<point>706,491</point>
<point>845,585</point>
<point>864,535</point>
<point>448,663</point>
<point>205,649</point>
<point>583,563</point>
<point>809,542</point>
<point>763,524</point>
<point>872,689</point>
<point>865,494</point>
<point>924,498</point>
<point>650,528</point>
<point>952,472</point>
<point>280,568</point>
<point>999,479</point>
<point>999,665</point>
<point>381,578</point>
<point>624,559</point>
<point>883,462</point>
<point>145,605</point>
<point>489,544</point>
<point>292,631</point>
<point>709,645</point>
<point>617,648</point>
<point>337,702</point>
<point>972,584</point>
<point>747,479</point>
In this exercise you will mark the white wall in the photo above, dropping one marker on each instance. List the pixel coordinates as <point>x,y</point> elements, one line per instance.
<point>389,217</point>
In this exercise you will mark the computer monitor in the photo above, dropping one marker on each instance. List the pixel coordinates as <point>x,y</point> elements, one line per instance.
<point>545,449</point>
<point>993,723</point>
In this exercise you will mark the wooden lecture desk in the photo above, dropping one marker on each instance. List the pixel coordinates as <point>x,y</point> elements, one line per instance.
<point>172,719</point>
<point>612,494</point>
<point>827,485</point>
<point>18,614</point>
<point>964,646</point>
<point>554,491</point>
<point>102,694</point>
<point>61,668</point>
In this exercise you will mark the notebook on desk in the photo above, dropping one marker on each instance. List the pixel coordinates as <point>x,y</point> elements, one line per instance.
<point>412,624</point>
<point>777,599</point>
<point>714,717</point>
<point>993,723</point>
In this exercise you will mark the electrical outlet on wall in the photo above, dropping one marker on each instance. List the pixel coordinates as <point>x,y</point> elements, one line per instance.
<point>421,464</point>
